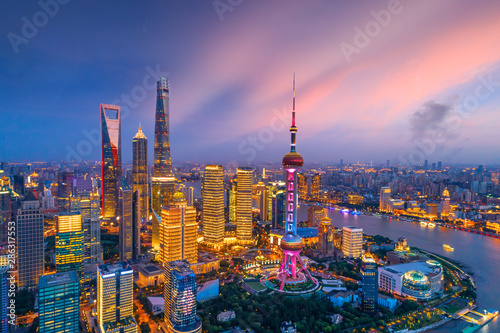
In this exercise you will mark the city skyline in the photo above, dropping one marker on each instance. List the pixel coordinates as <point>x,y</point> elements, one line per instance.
<point>410,88</point>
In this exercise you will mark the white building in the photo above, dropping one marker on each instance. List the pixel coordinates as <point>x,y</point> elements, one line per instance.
<point>352,242</point>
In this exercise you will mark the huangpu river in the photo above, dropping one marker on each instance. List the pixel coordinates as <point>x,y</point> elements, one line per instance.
<point>480,253</point>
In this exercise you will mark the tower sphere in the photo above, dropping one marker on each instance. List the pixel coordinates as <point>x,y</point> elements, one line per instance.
<point>293,160</point>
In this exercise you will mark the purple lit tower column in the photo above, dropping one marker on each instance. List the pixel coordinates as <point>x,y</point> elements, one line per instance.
<point>291,243</point>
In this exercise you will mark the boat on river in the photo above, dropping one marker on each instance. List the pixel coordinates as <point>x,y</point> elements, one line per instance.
<point>447,247</point>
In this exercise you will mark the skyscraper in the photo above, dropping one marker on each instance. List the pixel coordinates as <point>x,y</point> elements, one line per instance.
<point>69,243</point>
<point>64,190</point>
<point>30,240</point>
<point>180,298</point>
<point>263,193</point>
<point>352,241</point>
<point>369,278</point>
<point>244,205</point>
<point>385,197</point>
<point>314,215</point>
<point>90,210</point>
<point>111,158</point>
<point>59,303</point>
<point>325,236</point>
<point>129,222</point>
<point>163,180</point>
<point>315,185</point>
<point>278,204</point>
<point>140,172</point>
<point>232,201</point>
<point>291,242</point>
<point>213,205</point>
<point>178,231</point>
<point>115,298</point>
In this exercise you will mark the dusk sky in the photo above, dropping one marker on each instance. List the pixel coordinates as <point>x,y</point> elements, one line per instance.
<point>375,80</point>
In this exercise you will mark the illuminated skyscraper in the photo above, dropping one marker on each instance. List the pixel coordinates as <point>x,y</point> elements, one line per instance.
<point>90,210</point>
<point>325,236</point>
<point>315,186</point>
<point>163,180</point>
<point>232,201</point>
<point>178,231</point>
<point>111,158</point>
<point>30,240</point>
<point>263,193</point>
<point>129,222</point>
<point>445,204</point>
<point>302,185</point>
<point>59,303</point>
<point>115,298</point>
<point>369,278</point>
<point>213,205</point>
<point>180,298</point>
<point>140,172</point>
<point>352,242</point>
<point>314,215</point>
<point>69,243</point>
<point>64,190</point>
<point>244,205</point>
<point>278,204</point>
<point>385,197</point>
<point>291,242</point>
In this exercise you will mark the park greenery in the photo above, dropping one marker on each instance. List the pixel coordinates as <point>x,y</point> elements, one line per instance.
<point>264,313</point>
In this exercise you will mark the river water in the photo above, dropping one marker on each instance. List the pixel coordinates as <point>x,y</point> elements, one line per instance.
<point>479,252</point>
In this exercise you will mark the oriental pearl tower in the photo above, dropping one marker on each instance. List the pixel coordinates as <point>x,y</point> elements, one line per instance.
<point>291,243</point>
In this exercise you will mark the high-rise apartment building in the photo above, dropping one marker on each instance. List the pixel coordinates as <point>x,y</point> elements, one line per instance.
<point>244,205</point>
<point>178,231</point>
<point>265,204</point>
<point>369,278</point>
<point>385,197</point>
<point>352,242</point>
<point>30,241</point>
<point>140,172</point>
<point>180,298</point>
<point>445,204</point>
<point>115,298</point>
<point>59,303</point>
<point>111,159</point>
<point>163,180</point>
<point>302,185</point>
<point>129,222</point>
<point>69,243</point>
<point>213,205</point>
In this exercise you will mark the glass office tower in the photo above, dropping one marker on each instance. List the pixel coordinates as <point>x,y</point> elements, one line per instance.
<point>111,159</point>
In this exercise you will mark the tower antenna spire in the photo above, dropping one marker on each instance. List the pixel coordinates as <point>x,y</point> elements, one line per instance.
<point>293,111</point>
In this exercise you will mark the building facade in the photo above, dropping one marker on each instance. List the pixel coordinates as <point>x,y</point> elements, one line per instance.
<point>178,231</point>
<point>115,302</point>
<point>244,205</point>
<point>140,172</point>
<point>163,180</point>
<point>213,205</point>
<point>352,242</point>
<point>129,222</point>
<point>180,298</point>
<point>369,278</point>
<point>69,243</point>
<point>111,143</point>
<point>385,196</point>
<point>30,242</point>
<point>59,303</point>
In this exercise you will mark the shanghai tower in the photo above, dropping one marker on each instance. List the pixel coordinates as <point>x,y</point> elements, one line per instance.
<point>163,180</point>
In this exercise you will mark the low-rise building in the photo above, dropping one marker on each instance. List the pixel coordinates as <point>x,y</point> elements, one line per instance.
<point>208,290</point>
<point>387,301</point>
<point>207,262</point>
<point>157,304</point>
<point>418,280</point>
<point>288,327</point>
<point>226,316</point>
<point>342,297</point>
<point>150,275</point>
